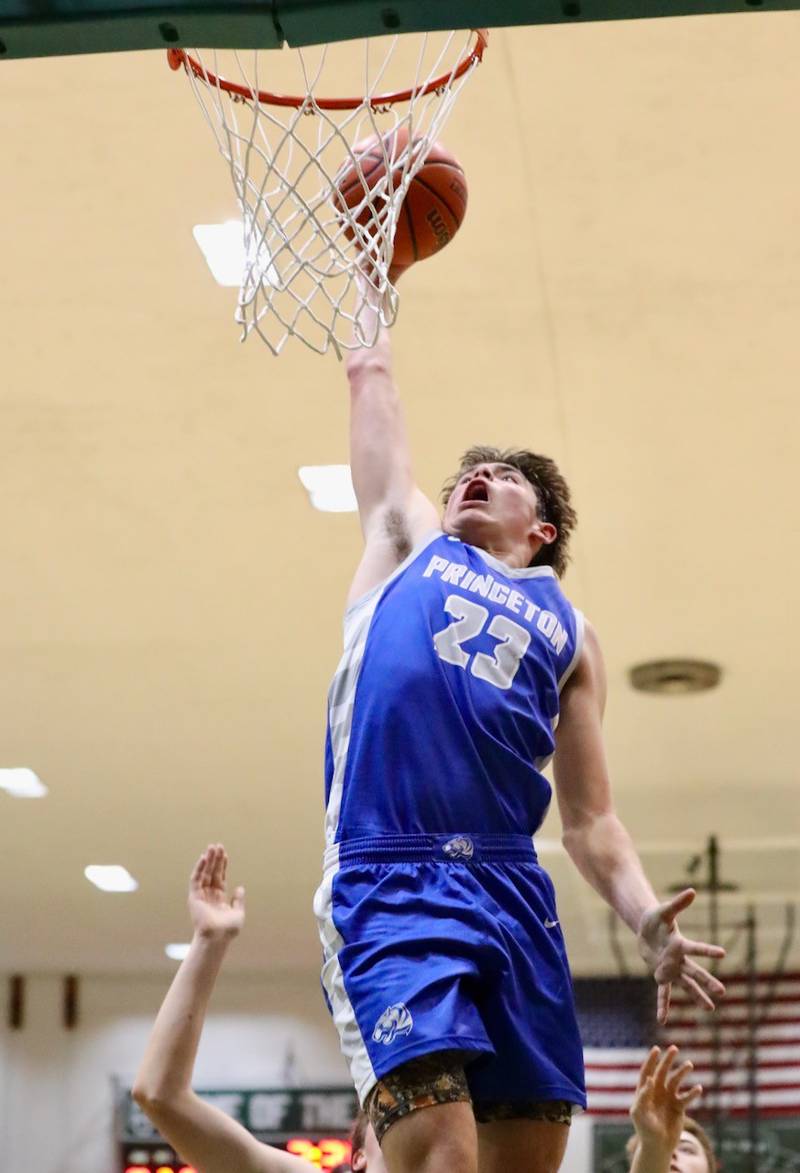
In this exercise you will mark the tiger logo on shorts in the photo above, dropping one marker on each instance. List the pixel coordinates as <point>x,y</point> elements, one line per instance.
<point>395,1020</point>
<point>459,848</point>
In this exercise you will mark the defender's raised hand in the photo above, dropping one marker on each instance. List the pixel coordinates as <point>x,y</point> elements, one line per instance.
<point>212,913</point>
<point>662,1100</point>
<point>668,955</point>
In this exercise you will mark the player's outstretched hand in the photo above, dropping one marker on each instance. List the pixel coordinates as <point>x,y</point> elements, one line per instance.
<point>212,913</point>
<point>662,1100</point>
<point>668,955</point>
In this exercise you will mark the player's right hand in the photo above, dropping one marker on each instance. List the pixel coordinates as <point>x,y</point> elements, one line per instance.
<point>212,913</point>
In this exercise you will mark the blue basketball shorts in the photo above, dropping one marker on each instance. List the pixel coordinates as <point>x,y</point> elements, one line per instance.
<point>450,943</point>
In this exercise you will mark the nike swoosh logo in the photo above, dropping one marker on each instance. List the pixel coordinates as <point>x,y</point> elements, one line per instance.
<point>550,924</point>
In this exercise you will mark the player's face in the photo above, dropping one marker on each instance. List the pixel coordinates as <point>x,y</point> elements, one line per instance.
<point>370,1158</point>
<point>689,1156</point>
<point>490,498</point>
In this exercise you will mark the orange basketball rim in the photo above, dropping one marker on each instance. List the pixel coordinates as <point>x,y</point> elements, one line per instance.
<point>178,58</point>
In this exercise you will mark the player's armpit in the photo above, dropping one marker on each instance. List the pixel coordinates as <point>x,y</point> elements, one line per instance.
<point>392,534</point>
<point>212,1142</point>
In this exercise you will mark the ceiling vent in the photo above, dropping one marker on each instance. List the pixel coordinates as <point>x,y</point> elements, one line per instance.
<point>675,677</point>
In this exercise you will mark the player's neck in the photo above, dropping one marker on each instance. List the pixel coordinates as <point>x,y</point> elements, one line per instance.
<point>515,555</point>
<point>515,552</point>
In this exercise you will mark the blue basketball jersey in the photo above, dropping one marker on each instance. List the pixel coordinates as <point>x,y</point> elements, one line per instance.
<point>442,713</point>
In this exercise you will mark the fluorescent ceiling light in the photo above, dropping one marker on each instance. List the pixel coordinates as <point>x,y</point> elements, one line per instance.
<point>222,245</point>
<point>176,952</point>
<point>110,878</point>
<point>330,487</point>
<point>20,782</point>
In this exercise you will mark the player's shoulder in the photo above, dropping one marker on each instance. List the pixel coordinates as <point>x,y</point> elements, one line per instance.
<point>591,639</point>
<point>589,669</point>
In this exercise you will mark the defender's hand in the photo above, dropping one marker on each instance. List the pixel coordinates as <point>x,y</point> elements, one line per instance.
<point>667,954</point>
<point>213,915</point>
<point>661,1101</point>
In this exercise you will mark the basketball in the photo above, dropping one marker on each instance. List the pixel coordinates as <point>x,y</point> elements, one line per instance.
<point>433,207</point>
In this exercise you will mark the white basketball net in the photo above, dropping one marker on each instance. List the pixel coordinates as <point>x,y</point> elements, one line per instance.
<point>301,267</point>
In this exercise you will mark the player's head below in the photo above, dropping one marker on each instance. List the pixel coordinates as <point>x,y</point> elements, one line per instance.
<point>693,1152</point>
<point>367,1157</point>
<point>511,501</point>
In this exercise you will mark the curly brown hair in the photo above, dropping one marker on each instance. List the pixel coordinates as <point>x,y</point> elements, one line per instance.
<point>552,493</point>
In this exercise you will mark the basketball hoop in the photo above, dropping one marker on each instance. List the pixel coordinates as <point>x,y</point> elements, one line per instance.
<point>304,274</point>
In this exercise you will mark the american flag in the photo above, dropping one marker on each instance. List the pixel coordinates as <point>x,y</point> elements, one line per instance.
<point>618,1027</point>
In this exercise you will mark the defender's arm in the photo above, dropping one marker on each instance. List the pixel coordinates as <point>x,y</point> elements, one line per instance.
<point>394,513</point>
<point>658,1111</point>
<point>204,1136</point>
<point>602,849</point>
<point>208,1139</point>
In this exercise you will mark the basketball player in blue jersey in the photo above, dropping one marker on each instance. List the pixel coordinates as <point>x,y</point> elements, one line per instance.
<point>465,669</point>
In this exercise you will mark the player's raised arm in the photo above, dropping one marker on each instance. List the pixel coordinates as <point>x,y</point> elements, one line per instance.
<point>602,849</point>
<point>203,1135</point>
<point>394,513</point>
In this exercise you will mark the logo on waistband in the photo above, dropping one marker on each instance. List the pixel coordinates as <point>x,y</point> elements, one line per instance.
<point>459,848</point>
<point>395,1020</point>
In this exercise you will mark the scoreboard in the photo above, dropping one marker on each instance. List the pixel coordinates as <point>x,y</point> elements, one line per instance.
<point>313,1123</point>
<point>323,1152</point>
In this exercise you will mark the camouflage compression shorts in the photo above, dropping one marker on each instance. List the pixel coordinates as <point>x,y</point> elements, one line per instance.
<point>440,1079</point>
